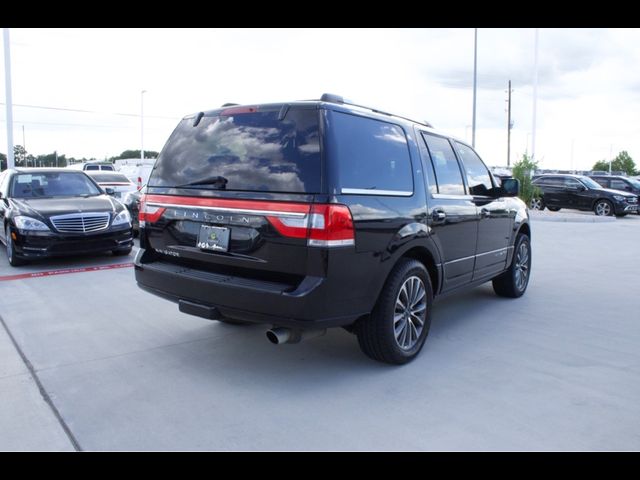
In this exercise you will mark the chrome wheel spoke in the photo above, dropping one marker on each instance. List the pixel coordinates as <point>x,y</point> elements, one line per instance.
<point>410,313</point>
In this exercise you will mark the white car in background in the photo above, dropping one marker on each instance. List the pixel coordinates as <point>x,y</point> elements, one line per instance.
<point>120,184</point>
<point>136,170</point>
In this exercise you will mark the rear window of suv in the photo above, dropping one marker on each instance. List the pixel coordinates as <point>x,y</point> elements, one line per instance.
<point>254,151</point>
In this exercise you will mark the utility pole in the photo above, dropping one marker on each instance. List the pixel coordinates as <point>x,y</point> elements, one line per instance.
<point>535,98</point>
<point>9,103</point>
<point>573,141</point>
<point>24,145</point>
<point>509,125</point>
<point>475,82</point>
<point>56,152</point>
<point>142,125</point>
<point>610,157</point>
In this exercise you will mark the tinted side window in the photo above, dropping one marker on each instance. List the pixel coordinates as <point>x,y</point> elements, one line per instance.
<point>551,181</point>
<point>619,184</point>
<point>92,167</point>
<point>478,177</point>
<point>369,154</point>
<point>430,173</point>
<point>602,181</point>
<point>571,182</point>
<point>446,166</point>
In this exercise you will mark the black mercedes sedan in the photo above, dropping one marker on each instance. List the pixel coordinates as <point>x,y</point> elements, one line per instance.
<point>55,212</point>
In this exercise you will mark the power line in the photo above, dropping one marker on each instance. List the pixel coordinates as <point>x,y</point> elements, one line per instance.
<point>17,122</point>
<point>77,110</point>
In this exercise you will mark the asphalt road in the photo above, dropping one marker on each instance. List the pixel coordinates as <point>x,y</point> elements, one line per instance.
<point>101,365</point>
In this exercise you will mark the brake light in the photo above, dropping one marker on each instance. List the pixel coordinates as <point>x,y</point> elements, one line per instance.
<point>237,110</point>
<point>149,213</point>
<point>326,225</point>
<point>139,183</point>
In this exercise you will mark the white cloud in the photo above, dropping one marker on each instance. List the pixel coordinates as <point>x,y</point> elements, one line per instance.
<point>589,83</point>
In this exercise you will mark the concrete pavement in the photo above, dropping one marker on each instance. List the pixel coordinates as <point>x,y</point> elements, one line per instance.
<point>558,369</point>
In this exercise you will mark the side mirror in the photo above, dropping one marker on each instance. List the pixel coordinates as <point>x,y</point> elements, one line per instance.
<point>511,187</point>
<point>109,191</point>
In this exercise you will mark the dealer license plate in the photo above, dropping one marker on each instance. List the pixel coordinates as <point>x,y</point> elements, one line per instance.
<point>213,238</point>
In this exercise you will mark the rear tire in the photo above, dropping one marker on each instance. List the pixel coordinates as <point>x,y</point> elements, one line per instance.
<point>554,209</point>
<point>14,260</point>
<point>513,283</point>
<point>399,324</point>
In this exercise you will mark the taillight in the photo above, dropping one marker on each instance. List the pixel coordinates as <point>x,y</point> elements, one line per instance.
<point>227,112</point>
<point>326,225</point>
<point>139,183</point>
<point>149,213</point>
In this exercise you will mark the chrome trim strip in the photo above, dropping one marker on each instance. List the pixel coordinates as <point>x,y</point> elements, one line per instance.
<point>368,191</point>
<point>451,197</point>
<point>478,255</point>
<point>493,251</point>
<point>230,209</point>
<point>460,259</point>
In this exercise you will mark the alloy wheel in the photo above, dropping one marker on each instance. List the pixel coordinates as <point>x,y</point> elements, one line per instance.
<point>603,209</point>
<point>522,266</point>
<point>9,246</point>
<point>410,312</point>
<point>536,204</point>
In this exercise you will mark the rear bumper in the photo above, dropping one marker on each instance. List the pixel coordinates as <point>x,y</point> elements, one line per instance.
<point>301,306</point>
<point>37,245</point>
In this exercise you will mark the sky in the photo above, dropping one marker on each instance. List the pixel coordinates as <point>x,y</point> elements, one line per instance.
<point>588,105</point>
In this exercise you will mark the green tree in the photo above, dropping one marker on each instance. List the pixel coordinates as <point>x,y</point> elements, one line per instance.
<point>49,160</point>
<point>19,155</point>
<point>135,154</point>
<point>3,162</point>
<point>622,163</point>
<point>523,170</point>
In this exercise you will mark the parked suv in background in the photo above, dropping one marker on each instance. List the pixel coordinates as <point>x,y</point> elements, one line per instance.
<point>616,182</point>
<point>316,214</point>
<point>581,193</point>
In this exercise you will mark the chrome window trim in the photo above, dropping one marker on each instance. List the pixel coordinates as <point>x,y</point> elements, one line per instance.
<point>368,191</point>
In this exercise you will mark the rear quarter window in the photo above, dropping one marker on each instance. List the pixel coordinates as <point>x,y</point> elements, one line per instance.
<point>368,154</point>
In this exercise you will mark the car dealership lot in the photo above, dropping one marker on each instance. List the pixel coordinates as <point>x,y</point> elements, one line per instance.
<point>558,369</point>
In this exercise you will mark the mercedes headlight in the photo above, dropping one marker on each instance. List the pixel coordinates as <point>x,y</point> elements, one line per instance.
<point>619,198</point>
<point>122,218</point>
<point>30,224</point>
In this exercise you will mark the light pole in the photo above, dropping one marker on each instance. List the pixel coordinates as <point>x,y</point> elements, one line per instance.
<point>475,77</point>
<point>535,98</point>
<point>9,103</point>
<point>142,125</point>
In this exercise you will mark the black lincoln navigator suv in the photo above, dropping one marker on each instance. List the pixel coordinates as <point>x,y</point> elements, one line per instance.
<point>315,214</point>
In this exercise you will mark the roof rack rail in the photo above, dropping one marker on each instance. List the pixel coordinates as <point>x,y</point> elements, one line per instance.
<point>230,104</point>
<point>333,98</point>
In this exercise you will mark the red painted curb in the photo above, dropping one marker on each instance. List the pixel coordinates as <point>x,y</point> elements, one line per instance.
<point>64,271</point>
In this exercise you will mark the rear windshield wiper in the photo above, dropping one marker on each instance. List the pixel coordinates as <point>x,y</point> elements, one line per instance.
<point>217,181</point>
